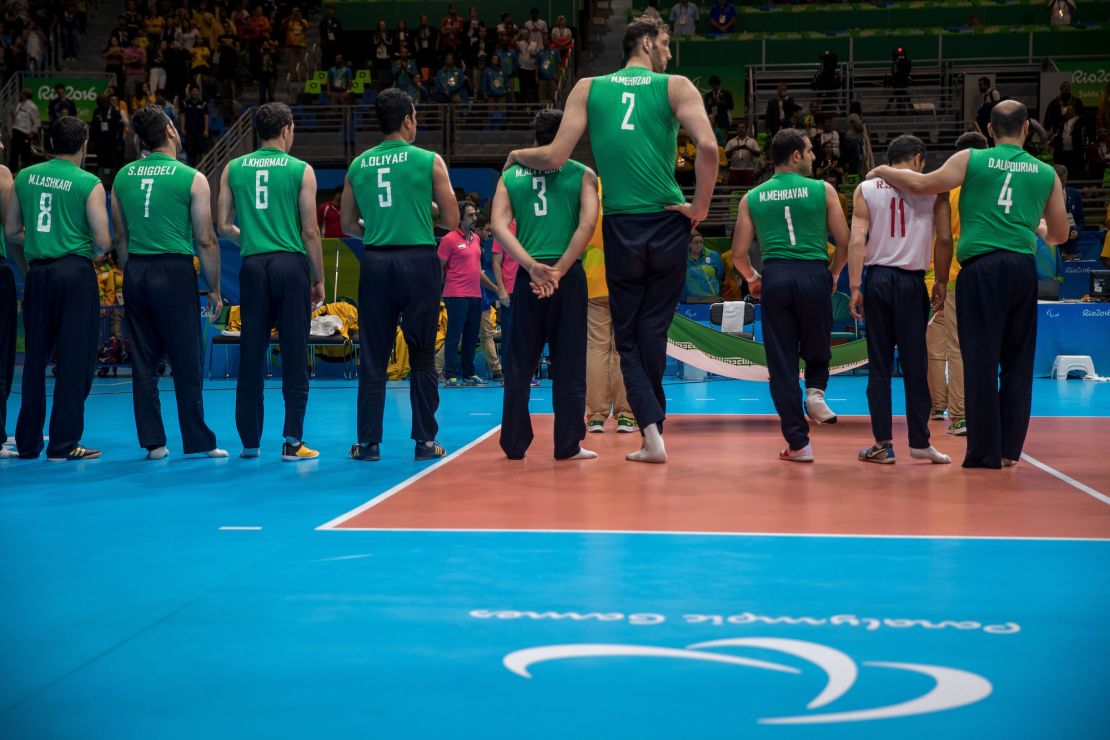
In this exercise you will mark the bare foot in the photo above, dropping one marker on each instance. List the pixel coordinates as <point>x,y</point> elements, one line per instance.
<point>583,454</point>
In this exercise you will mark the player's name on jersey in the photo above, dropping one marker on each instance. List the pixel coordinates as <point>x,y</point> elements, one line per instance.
<point>630,81</point>
<point>53,183</point>
<point>266,162</point>
<point>1007,166</point>
<point>783,194</point>
<point>525,172</point>
<point>151,170</point>
<point>884,185</point>
<point>380,160</point>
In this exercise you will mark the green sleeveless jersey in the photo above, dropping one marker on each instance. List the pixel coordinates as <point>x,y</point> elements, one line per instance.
<point>267,189</point>
<point>634,136</point>
<point>545,206</point>
<point>155,197</point>
<point>52,198</point>
<point>1002,200</point>
<point>790,217</point>
<point>392,184</point>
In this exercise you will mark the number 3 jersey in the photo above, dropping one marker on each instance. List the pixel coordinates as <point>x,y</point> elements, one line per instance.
<point>545,206</point>
<point>790,217</point>
<point>392,184</point>
<point>267,189</point>
<point>901,233</point>
<point>1002,200</point>
<point>155,196</point>
<point>52,198</point>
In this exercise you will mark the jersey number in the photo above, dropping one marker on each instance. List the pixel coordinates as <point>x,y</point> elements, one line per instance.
<point>540,183</point>
<point>790,227</point>
<point>261,190</point>
<point>630,100</point>
<point>385,200</point>
<point>46,202</point>
<point>899,205</point>
<point>147,184</point>
<point>1006,197</point>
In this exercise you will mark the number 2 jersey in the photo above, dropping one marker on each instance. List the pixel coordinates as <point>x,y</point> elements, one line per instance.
<point>392,184</point>
<point>901,233</point>
<point>52,198</point>
<point>267,189</point>
<point>1002,200</point>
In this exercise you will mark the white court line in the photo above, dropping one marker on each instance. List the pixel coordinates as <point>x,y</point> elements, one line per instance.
<point>342,557</point>
<point>824,535</point>
<point>481,413</point>
<point>407,482</point>
<point>1067,479</point>
<point>747,399</point>
<point>705,399</point>
<point>240,529</point>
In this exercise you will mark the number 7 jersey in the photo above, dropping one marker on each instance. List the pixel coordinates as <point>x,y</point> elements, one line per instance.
<point>155,196</point>
<point>267,189</point>
<point>392,184</point>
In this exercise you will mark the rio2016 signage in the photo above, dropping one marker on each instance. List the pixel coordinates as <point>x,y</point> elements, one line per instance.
<point>1088,79</point>
<point>83,91</point>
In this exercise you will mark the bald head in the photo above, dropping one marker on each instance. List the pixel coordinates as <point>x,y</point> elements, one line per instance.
<point>1009,122</point>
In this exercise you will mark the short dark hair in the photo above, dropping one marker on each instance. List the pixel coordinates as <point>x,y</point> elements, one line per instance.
<point>971,140</point>
<point>1062,173</point>
<point>637,29</point>
<point>546,125</point>
<point>67,135</point>
<point>904,148</point>
<point>393,105</point>
<point>714,80</point>
<point>59,87</point>
<point>464,204</point>
<point>985,79</point>
<point>149,124</point>
<point>785,143</point>
<point>1008,118</point>
<point>270,119</point>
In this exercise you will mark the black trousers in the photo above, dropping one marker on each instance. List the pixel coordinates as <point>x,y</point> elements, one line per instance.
<point>61,308</point>
<point>405,283</point>
<point>560,322</point>
<point>997,314</point>
<point>645,268</point>
<point>897,310</point>
<point>273,288</point>
<point>7,343</point>
<point>797,324</point>
<point>464,321</point>
<point>21,155</point>
<point>160,293</point>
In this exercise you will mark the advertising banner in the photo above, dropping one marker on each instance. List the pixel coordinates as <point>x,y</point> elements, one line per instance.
<point>83,91</point>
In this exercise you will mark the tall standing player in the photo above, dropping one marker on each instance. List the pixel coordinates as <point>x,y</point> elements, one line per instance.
<point>792,215</point>
<point>555,213</point>
<point>274,195</point>
<point>388,197</point>
<point>159,206</point>
<point>64,209</point>
<point>896,235</point>
<point>633,117</point>
<point>1004,194</point>
<point>7,316</point>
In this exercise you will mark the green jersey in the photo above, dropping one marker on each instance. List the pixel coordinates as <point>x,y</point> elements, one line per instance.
<point>634,135</point>
<point>155,196</point>
<point>790,217</point>
<point>52,198</point>
<point>392,184</point>
<point>546,207</point>
<point>1002,200</point>
<point>267,189</point>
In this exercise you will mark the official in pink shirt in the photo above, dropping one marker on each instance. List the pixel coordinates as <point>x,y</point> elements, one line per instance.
<point>460,253</point>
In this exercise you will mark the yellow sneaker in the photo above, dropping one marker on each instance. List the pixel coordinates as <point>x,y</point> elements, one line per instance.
<point>289,453</point>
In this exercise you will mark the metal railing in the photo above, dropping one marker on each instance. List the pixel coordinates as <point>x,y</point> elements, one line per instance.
<point>237,140</point>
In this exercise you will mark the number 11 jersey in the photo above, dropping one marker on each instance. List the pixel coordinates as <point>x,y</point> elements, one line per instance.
<point>901,233</point>
<point>392,184</point>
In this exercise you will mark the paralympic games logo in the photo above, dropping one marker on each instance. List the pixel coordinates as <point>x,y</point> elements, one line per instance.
<point>953,687</point>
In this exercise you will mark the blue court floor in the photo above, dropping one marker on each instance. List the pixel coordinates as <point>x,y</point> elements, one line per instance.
<point>192,598</point>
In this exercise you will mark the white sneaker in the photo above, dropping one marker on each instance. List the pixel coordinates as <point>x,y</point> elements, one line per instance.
<point>816,409</point>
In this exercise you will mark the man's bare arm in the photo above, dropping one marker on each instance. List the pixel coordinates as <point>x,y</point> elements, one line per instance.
<point>857,242</point>
<point>349,215</point>
<point>950,175</point>
<point>838,227</point>
<point>942,247</point>
<point>501,219</point>
<point>742,235</point>
<point>444,195</point>
<point>689,109</point>
<point>13,229</point>
<point>208,249</point>
<point>556,154</point>
<point>310,232</point>
<point>96,211</point>
<point>119,241</point>
<point>225,212</point>
<point>1056,216</point>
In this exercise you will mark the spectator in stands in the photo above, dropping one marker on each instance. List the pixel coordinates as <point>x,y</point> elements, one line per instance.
<point>383,52</point>
<point>828,166</point>
<point>227,67</point>
<point>718,104</point>
<point>1055,113</point>
<point>201,69</point>
<point>988,98</point>
<point>742,151</point>
<point>480,56</point>
<point>974,21</point>
<point>266,70</point>
<point>61,105</point>
<point>194,110</point>
<point>1102,113</point>
<point>828,135</point>
<point>260,27</point>
<point>722,17</point>
<point>113,60</point>
<point>143,98</point>
<point>1070,142</point>
<point>340,78</point>
<point>407,77</point>
<point>1101,155</point>
<point>427,40</point>
<point>167,108</point>
<point>704,273</point>
<point>450,32</point>
<point>402,38</point>
<point>187,34</point>
<point>684,17</point>
<point>562,39</point>
<point>327,216</point>
<point>855,123</point>
<point>1073,203</point>
<point>652,9</point>
<point>685,156</point>
<point>331,33</point>
<point>296,40</point>
<point>120,33</point>
<point>779,110</point>
<point>493,84</point>
<point>526,51</point>
<point>472,29</point>
<point>451,82</point>
<point>131,18</point>
<point>205,22</point>
<point>155,25</point>
<point>536,27</point>
<point>796,120</point>
<point>547,70</point>
<point>106,137</point>
<point>506,26</point>
<point>69,28</point>
<point>1059,12</point>
<point>157,57</point>
<point>510,66</point>
<point>26,123</point>
<point>134,67</point>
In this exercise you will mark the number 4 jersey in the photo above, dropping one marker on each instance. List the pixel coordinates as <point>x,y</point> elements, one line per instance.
<point>546,207</point>
<point>52,198</point>
<point>267,189</point>
<point>155,196</point>
<point>790,217</point>
<point>1002,200</point>
<point>392,184</point>
<point>901,233</point>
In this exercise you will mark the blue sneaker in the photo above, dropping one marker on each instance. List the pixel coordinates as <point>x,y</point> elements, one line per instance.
<point>451,383</point>
<point>475,380</point>
<point>881,454</point>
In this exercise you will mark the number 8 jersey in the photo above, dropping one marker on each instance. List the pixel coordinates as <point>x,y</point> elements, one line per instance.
<point>1002,200</point>
<point>392,184</point>
<point>52,198</point>
<point>901,233</point>
<point>267,189</point>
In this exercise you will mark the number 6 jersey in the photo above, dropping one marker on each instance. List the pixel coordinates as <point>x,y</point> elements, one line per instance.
<point>901,227</point>
<point>267,189</point>
<point>392,184</point>
<point>52,198</point>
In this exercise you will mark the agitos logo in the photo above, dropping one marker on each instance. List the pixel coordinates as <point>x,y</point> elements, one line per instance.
<point>953,687</point>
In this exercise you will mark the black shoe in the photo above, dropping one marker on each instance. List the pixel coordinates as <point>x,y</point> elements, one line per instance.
<point>370,453</point>
<point>429,450</point>
<point>77,453</point>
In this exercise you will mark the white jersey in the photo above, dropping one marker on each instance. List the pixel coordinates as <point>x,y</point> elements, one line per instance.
<point>901,226</point>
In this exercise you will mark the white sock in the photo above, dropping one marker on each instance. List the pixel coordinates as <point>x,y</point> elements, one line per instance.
<point>157,453</point>
<point>653,450</point>
<point>5,452</point>
<point>583,454</point>
<point>293,441</point>
<point>930,453</point>
<point>216,452</point>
